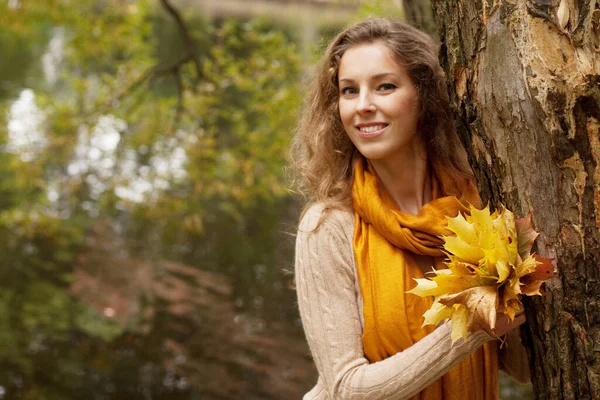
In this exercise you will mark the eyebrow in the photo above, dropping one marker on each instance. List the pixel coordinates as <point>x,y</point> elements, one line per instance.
<point>374,77</point>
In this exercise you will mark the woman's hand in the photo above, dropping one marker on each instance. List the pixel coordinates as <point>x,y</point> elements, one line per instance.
<point>504,324</point>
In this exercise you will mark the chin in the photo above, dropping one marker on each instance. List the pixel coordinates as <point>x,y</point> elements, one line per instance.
<point>375,151</point>
<point>375,155</point>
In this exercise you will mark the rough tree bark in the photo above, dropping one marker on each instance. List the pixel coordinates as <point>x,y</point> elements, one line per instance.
<point>420,13</point>
<point>525,82</point>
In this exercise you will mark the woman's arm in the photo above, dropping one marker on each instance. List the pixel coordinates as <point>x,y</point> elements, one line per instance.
<point>327,299</point>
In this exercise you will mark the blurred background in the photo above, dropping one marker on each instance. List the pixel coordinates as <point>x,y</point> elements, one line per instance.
<point>146,226</point>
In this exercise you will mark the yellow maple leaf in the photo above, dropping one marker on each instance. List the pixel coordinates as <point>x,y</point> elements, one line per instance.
<point>425,287</point>
<point>436,314</point>
<point>510,292</point>
<point>448,281</point>
<point>527,266</point>
<point>463,229</point>
<point>480,303</point>
<point>463,250</point>
<point>460,317</point>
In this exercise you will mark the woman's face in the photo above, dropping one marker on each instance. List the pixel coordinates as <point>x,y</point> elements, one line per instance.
<point>378,102</point>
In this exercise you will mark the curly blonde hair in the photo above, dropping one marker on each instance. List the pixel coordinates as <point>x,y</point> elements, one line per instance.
<point>322,154</point>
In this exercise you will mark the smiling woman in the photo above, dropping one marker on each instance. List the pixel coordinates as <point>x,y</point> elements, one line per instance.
<point>382,168</point>
<point>379,107</point>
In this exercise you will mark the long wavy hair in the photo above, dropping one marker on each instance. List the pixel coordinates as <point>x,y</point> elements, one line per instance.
<point>322,154</point>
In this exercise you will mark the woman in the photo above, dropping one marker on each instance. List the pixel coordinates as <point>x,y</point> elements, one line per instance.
<point>382,167</point>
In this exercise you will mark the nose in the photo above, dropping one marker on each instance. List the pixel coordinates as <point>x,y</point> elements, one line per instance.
<point>365,103</point>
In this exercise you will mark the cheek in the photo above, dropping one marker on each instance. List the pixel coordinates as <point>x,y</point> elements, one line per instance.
<point>345,111</point>
<point>415,106</point>
<point>407,108</point>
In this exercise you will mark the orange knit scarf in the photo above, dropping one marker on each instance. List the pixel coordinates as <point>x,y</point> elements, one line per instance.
<point>385,241</point>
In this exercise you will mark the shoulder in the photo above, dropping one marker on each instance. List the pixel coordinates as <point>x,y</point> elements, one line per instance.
<point>326,232</point>
<point>320,217</point>
<point>324,243</point>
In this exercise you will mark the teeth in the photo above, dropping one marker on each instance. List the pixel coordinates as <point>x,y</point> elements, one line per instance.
<point>369,129</point>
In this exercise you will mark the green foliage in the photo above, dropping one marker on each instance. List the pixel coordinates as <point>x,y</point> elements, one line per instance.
<point>511,390</point>
<point>158,154</point>
<point>96,325</point>
<point>44,308</point>
<point>37,250</point>
<point>247,101</point>
<point>379,8</point>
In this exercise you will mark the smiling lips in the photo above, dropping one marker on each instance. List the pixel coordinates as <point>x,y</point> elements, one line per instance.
<point>371,129</point>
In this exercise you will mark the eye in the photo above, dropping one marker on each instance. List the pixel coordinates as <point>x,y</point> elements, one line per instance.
<point>348,91</point>
<point>387,87</point>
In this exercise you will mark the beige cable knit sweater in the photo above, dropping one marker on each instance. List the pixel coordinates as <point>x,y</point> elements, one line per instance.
<point>331,309</point>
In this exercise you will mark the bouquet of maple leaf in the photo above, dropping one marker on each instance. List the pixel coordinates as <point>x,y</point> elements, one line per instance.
<point>490,267</point>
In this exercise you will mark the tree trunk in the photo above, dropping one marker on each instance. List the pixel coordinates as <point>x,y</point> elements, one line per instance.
<point>420,14</point>
<point>525,82</point>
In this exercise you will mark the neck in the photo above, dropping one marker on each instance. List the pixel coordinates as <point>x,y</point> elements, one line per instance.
<point>406,178</point>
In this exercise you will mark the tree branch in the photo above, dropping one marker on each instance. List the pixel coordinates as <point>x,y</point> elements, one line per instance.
<point>173,68</point>
<point>186,36</point>
<point>153,72</point>
<point>180,94</point>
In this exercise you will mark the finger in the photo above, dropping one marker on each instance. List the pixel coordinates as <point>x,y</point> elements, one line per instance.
<point>519,319</point>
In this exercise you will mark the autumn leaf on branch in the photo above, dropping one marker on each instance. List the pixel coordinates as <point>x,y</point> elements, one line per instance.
<point>490,267</point>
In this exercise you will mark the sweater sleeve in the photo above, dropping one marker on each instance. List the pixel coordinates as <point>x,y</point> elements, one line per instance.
<point>327,300</point>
